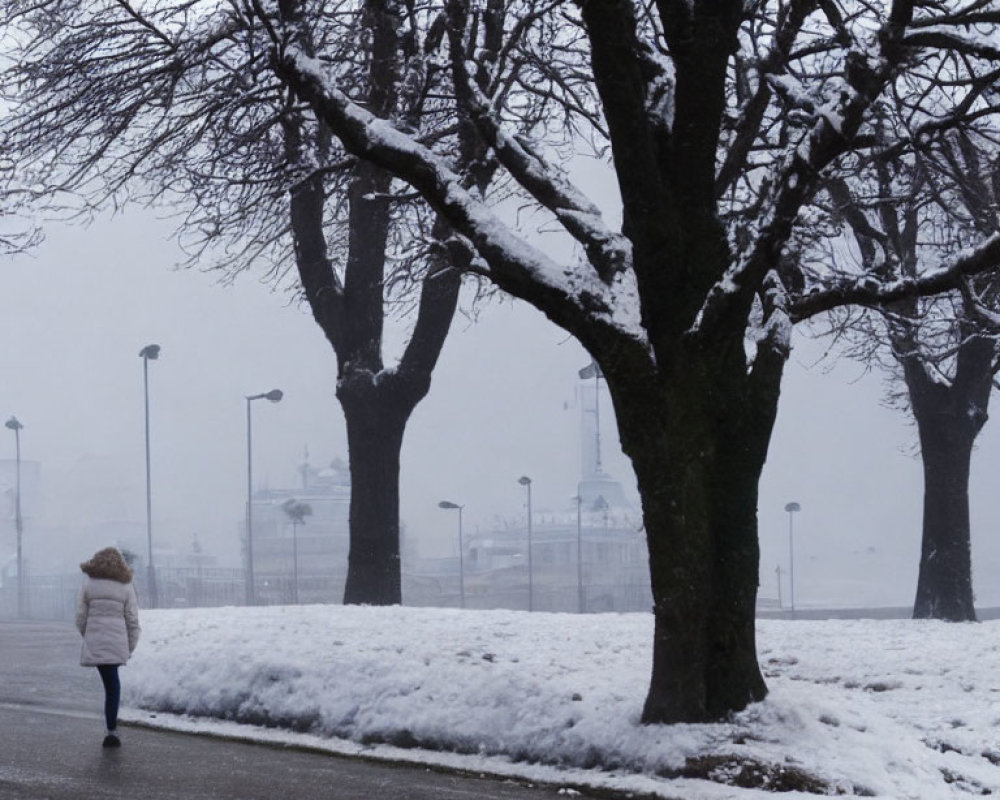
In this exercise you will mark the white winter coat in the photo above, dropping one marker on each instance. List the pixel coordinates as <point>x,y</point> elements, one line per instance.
<point>107,616</point>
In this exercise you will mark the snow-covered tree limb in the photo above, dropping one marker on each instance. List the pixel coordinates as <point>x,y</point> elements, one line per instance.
<point>607,250</point>
<point>748,120</point>
<point>866,72</point>
<point>513,263</point>
<point>947,38</point>
<point>867,291</point>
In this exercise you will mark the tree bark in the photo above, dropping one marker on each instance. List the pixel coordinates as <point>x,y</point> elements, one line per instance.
<point>949,417</point>
<point>377,405</point>
<point>375,424</point>
<point>697,466</point>
<point>944,585</point>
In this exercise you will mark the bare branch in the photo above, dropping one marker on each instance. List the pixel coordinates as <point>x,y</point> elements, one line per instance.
<point>866,291</point>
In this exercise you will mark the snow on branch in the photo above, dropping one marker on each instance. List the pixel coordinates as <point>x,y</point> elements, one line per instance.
<point>513,263</point>
<point>947,38</point>
<point>979,309</point>
<point>867,68</point>
<point>607,250</point>
<point>868,291</point>
<point>772,68</point>
<point>775,331</point>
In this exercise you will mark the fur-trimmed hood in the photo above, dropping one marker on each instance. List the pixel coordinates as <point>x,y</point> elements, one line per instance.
<point>108,564</point>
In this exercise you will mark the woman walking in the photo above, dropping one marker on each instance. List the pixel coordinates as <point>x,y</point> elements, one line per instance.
<point>107,616</point>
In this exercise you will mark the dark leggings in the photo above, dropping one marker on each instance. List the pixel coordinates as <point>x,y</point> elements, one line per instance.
<point>112,693</point>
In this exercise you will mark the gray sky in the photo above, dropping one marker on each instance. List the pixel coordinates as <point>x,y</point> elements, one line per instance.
<point>74,315</point>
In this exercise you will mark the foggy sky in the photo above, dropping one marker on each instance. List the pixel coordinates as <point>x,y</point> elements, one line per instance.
<point>76,312</point>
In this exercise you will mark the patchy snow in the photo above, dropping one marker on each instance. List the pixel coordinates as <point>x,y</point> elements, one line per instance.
<point>893,708</point>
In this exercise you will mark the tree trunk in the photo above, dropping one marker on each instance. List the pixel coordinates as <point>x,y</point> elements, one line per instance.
<point>949,417</point>
<point>698,473</point>
<point>944,585</point>
<point>375,424</point>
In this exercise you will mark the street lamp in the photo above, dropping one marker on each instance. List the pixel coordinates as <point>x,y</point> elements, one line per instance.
<point>16,426</point>
<point>593,370</point>
<point>461,551</point>
<point>791,508</point>
<point>274,396</point>
<point>579,554</point>
<point>149,352</point>
<point>525,481</point>
<point>297,512</point>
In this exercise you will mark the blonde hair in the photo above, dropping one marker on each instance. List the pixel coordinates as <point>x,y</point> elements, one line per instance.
<point>108,563</point>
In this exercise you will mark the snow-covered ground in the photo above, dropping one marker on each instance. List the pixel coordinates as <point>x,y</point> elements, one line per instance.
<point>891,708</point>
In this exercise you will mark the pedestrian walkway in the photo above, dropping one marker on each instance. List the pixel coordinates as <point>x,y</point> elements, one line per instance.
<point>50,747</point>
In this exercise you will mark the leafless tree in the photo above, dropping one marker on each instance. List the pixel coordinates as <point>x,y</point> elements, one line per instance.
<point>724,120</point>
<point>173,105</point>
<point>903,212</point>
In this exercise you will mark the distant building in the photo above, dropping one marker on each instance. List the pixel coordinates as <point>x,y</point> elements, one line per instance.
<point>315,549</point>
<point>30,504</point>
<point>590,557</point>
<point>593,562</point>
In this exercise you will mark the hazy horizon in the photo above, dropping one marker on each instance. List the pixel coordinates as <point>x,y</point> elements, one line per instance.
<point>502,404</point>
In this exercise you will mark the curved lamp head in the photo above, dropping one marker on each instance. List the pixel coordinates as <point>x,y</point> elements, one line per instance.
<point>524,480</point>
<point>792,507</point>
<point>274,396</point>
<point>592,370</point>
<point>297,510</point>
<point>448,504</point>
<point>150,351</point>
<point>13,424</point>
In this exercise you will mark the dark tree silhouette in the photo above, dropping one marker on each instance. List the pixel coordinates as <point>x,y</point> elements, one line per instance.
<point>723,120</point>
<point>911,211</point>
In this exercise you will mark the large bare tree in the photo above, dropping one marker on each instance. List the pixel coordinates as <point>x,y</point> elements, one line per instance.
<point>912,210</point>
<point>172,105</point>
<point>724,119</point>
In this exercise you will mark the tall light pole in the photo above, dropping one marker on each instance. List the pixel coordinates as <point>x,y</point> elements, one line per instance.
<point>579,554</point>
<point>196,549</point>
<point>274,396</point>
<point>297,512</point>
<point>525,481</point>
<point>16,426</point>
<point>148,353</point>
<point>461,550</point>
<point>593,370</point>
<point>791,508</point>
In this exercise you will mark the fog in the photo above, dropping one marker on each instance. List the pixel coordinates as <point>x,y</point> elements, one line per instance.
<point>75,313</point>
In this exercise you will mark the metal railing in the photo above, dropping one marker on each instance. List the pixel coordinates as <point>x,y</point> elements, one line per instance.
<point>54,597</point>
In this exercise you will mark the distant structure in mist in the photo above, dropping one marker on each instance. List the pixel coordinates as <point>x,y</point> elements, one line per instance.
<point>30,504</point>
<point>588,556</point>
<point>319,544</point>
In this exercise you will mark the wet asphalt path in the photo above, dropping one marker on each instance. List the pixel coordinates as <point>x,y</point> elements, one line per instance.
<point>50,747</point>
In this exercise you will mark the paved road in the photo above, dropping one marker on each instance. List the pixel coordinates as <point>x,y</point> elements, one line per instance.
<point>50,737</point>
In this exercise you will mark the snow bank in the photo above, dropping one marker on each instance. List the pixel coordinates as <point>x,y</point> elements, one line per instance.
<point>895,708</point>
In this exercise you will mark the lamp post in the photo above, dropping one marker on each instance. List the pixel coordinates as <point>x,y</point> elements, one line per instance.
<point>297,512</point>
<point>148,353</point>
<point>593,370</point>
<point>791,508</point>
<point>579,554</point>
<point>16,426</point>
<point>447,504</point>
<point>274,396</point>
<point>525,481</point>
<point>196,549</point>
